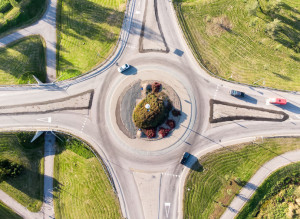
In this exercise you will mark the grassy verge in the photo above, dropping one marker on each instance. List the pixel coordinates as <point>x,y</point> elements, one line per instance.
<point>82,188</point>
<point>6,212</point>
<point>245,41</point>
<point>276,197</point>
<point>22,59</point>
<point>27,188</point>
<point>211,186</point>
<point>87,34</point>
<point>15,13</point>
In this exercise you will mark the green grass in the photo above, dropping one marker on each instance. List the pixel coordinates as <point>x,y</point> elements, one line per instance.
<point>234,44</point>
<point>21,59</point>
<point>274,197</point>
<point>27,188</point>
<point>6,212</point>
<point>15,13</point>
<point>212,185</point>
<point>87,34</point>
<point>83,188</point>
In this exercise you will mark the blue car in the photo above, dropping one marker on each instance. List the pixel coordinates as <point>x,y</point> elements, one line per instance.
<point>236,93</point>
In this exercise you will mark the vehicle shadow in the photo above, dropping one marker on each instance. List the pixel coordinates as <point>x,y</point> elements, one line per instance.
<point>193,164</point>
<point>290,107</point>
<point>248,99</point>
<point>131,71</point>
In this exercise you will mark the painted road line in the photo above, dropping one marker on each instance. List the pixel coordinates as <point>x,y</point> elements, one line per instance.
<point>167,208</point>
<point>46,119</point>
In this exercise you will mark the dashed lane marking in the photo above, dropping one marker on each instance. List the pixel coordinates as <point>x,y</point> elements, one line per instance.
<point>83,124</point>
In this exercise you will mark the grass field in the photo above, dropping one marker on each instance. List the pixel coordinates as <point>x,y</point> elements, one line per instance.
<point>245,41</point>
<point>83,188</point>
<point>212,185</point>
<point>21,59</point>
<point>27,188</point>
<point>87,34</point>
<point>15,13</point>
<point>276,197</point>
<point>7,213</point>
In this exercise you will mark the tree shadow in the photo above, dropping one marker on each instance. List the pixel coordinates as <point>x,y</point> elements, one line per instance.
<point>24,56</point>
<point>284,77</point>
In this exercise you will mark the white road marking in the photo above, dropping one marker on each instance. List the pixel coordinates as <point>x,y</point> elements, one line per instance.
<point>217,89</point>
<point>167,208</point>
<point>47,119</point>
<point>83,124</point>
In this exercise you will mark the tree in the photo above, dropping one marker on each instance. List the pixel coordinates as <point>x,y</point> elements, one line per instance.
<point>273,27</point>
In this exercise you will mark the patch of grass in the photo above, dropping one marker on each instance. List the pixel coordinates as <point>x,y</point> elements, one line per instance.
<point>26,188</point>
<point>22,59</point>
<point>15,13</point>
<point>156,115</point>
<point>249,41</point>
<point>212,185</point>
<point>83,190</point>
<point>87,34</point>
<point>6,212</point>
<point>276,195</point>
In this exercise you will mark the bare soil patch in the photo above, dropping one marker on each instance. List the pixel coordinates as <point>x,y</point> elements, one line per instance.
<point>218,25</point>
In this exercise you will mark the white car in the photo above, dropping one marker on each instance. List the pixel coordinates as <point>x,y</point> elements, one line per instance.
<point>123,68</point>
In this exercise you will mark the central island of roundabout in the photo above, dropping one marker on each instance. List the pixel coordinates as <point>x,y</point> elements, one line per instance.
<point>149,111</point>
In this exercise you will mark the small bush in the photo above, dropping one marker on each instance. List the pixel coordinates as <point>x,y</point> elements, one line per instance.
<point>156,87</point>
<point>151,133</point>
<point>163,132</point>
<point>155,116</point>
<point>9,169</point>
<point>171,123</point>
<point>176,112</point>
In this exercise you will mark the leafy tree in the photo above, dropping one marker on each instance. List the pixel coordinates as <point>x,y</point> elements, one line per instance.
<point>252,8</point>
<point>273,27</point>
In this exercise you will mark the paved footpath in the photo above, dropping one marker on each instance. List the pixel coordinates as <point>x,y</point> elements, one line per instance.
<point>248,190</point>
<point>47,210</point>
<point>46,27</point>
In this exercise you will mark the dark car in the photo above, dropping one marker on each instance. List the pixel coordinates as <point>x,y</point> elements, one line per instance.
<point>236,93</point>
<point>185,157</point>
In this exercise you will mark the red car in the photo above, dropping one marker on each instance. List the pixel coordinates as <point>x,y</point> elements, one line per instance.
<point>279,101</point>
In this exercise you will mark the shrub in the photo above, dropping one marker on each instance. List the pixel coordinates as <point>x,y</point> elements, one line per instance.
<point>146,119</point>
<point>176,112</point>
<point>163,132</point>
<point>156,87</point>
<point>171,123</point>
<point>9,169</point>
<point>151,133</point>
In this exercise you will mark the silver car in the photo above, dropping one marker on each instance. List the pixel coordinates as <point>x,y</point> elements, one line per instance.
<point>123,68</point>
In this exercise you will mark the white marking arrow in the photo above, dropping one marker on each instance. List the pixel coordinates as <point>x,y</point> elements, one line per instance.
<point>167,208</point>
<point>47,119</point>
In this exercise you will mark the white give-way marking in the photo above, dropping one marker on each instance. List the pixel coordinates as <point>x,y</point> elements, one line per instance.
<point>167,208</point>
<point>47,119</point>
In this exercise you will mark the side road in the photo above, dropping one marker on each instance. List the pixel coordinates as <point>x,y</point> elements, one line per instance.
<point>45,27</point>
<point>47,210</point>
<point>248,190</point>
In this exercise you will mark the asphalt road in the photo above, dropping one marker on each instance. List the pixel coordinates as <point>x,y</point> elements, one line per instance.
<point>94,126</point>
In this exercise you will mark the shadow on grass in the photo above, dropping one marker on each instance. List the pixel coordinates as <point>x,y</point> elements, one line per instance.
<point>26,57</point>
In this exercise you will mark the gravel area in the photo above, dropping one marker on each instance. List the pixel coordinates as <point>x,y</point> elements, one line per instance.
<point>222,111</point>
<point>127,105</point>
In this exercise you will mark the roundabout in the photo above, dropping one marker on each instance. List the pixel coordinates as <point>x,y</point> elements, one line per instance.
<point>133,86</point>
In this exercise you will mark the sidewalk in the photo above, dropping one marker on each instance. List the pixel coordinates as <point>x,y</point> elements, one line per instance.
<point>46,27</point>
<point>248,190</point>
